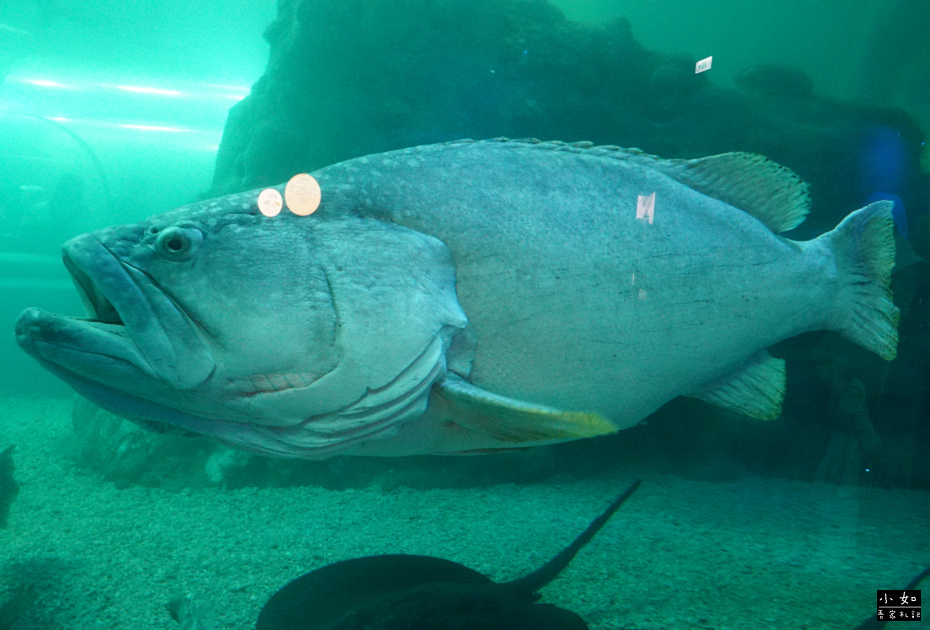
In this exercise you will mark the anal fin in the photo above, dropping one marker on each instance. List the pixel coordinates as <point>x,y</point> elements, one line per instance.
<point>755,389</point>
<point>511,421</point>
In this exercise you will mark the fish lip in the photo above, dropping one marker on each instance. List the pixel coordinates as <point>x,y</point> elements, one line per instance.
<point>99,346</point>
<point>91,295</point>
<point>119,293</point>
<point>102,282</point>
<point>73,346</point>
<point>131,320</point>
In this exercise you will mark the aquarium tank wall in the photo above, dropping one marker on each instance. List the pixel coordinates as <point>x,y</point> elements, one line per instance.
<point>303,296</point>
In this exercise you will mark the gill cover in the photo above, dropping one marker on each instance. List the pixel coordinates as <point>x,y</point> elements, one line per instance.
<point>393,292</point>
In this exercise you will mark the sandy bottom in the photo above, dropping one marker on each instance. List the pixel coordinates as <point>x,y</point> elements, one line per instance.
<point>753,553</point>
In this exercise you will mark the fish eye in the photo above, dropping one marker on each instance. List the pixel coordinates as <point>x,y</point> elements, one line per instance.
<point>179,243</point>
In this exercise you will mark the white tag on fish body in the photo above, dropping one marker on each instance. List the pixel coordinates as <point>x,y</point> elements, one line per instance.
<point>645,207</point>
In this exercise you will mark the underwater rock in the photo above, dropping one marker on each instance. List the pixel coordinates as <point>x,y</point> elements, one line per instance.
<point>101,444</point>
<point>14,602</point>
<point>854,440</point>
<point>405,591</point>
<point>127,454</point>
<point>225,463</point>
<point>8,486</point>
<point>895,64</point>
<point>345,79</point>
<point>769,79</point>
<point>189,614</point>
<point>920,237</point>
<point>400,74</point>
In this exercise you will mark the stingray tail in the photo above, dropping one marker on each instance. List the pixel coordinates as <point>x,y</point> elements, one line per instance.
<point>864,249</point>
<point>529,584</point>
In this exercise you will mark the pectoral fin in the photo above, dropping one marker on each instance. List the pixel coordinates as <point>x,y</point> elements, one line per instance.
<point>514,422</point>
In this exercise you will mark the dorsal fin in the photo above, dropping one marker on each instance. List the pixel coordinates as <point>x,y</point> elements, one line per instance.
<point>770,192</point>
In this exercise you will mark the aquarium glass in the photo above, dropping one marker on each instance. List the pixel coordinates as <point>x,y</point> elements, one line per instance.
<point>449,276</point>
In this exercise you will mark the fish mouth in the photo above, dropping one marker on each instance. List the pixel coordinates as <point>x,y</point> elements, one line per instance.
<point>134,332</point>
<point>101,309</point>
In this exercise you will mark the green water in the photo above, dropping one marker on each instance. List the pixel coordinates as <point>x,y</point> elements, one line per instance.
<point>111,112</point>
<point>866,51</point>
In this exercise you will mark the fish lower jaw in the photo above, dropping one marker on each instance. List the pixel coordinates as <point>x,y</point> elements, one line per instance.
<point>95,350</point>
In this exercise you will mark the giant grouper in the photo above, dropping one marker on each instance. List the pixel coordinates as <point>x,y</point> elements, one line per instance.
<point>464,298</point>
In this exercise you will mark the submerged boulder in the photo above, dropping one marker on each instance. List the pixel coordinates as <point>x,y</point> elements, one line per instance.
<point>351,77</point>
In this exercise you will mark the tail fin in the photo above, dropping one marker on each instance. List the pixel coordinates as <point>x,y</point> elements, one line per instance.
<point>863,245</point>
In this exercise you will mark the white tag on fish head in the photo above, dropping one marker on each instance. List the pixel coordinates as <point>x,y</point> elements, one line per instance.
<point>302,194</point>
<point>270,202</point>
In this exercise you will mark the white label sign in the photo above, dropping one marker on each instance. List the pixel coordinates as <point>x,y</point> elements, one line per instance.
<point>703,65</point>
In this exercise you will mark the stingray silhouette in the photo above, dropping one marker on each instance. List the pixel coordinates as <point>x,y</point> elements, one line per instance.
<point>405,592</point>
<point>391,592</point>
